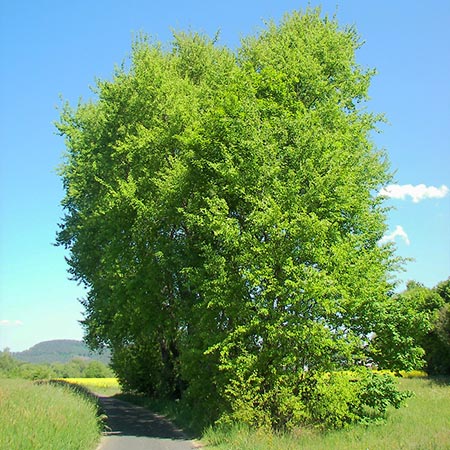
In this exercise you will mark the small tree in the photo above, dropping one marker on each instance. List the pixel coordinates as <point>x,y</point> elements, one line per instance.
<point>9,367</point>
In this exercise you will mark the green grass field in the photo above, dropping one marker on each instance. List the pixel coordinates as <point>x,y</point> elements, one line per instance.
<point>424,424</point>
<point>46,417</point>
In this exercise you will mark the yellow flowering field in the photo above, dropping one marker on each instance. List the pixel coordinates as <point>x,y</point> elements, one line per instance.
<point>95,384</point>
<point>404,374</point>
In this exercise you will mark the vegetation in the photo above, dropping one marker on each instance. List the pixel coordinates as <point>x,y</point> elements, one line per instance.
<point>423,326</point>
<point>416,312</point>
<point>410,428</point>
<point>12,368</point>
<point>436,343</point>
<point>61,351</point>
<point>423,424</point>
<point>222,211</point>
<point>46,417</point>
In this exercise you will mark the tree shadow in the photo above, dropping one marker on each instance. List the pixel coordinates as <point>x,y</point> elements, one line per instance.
<point>125,419</point>
<point>439,380</point>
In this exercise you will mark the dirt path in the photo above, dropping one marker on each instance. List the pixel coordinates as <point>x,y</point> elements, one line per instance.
<point>132,427</point>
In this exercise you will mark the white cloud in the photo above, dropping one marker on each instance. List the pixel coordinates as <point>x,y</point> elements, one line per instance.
<point>398,232</point>
<point>417,193</point>
<point>11,323</point>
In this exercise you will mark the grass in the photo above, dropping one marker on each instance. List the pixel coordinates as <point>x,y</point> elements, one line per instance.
<point>46,417</point>
<point>424,424</point>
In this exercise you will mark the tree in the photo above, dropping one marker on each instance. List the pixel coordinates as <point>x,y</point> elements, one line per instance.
<point>443,289</point>
<point>36,371</point>
<point>222,211</point>
<point>437,342</point>
<point>96,369</point>
<point>9,367</point>
<point>421,330</point>
<point>400,343</point>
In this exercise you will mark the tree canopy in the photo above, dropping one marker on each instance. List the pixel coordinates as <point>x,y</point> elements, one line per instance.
<point>222,210</point>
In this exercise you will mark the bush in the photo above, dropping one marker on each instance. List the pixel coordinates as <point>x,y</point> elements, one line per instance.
<point>332,400</point>
<point>324,400</point>
<point>337,399</point>
<point>378,392</point>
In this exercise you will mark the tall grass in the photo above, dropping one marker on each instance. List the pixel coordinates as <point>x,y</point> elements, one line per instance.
<point>424,424</point>
<point>46,417</point>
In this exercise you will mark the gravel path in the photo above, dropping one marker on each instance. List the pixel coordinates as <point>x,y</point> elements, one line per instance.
<point>132,427</point>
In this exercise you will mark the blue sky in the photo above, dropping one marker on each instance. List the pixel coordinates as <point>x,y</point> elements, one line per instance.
<point>50,48</point>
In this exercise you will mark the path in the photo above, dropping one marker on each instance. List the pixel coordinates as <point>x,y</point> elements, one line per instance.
<point>132,427</point>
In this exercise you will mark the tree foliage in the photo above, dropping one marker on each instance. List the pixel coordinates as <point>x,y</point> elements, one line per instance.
<point>222,211</point>
<point>412,313</point>
<point>436,342</point>
<point>421,328</point>
<point>10,367</point>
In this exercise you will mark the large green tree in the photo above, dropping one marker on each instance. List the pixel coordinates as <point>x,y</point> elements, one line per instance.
<point>222,211</point>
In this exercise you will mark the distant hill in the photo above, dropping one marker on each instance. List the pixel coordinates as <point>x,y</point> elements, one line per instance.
<point>60,350</point>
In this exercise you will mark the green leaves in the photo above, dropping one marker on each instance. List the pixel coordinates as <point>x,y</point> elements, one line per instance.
<point>221,210</point>
<point>403,326</point>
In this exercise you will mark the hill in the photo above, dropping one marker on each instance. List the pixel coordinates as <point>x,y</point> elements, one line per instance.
<point>60,350</point>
